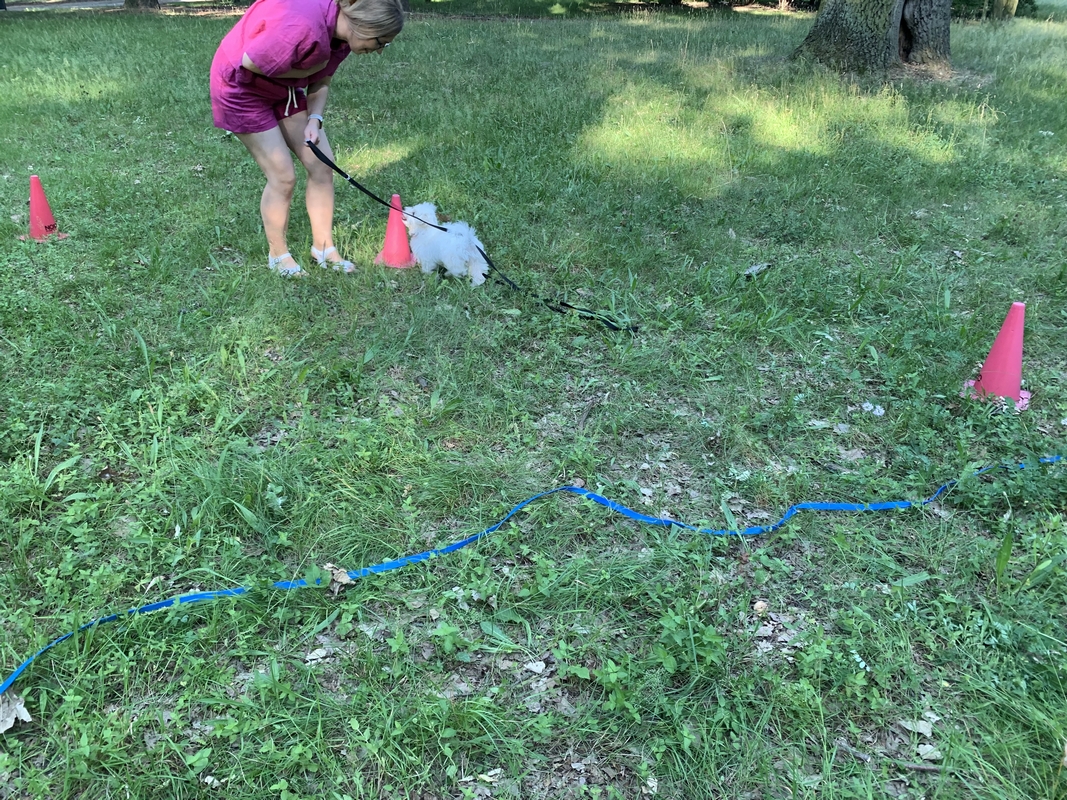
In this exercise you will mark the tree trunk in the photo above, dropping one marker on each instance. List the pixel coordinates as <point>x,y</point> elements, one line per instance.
<point>141,5</point>
<point>855,34</point>
<point>873,35</point>
<point>1004,9</point>
<point>924,28</point>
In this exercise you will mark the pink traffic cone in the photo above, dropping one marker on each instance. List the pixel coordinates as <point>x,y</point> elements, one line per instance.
<point>42,223</point>
<point>1002,372</point>
<point>397,250</point>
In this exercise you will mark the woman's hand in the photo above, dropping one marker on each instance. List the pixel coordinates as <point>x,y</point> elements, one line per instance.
<point>311,131</point>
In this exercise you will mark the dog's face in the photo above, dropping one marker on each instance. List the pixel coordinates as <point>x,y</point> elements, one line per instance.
<point>426,213</point>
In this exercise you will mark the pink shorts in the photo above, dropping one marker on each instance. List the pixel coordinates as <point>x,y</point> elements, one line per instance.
<point>244,102</point>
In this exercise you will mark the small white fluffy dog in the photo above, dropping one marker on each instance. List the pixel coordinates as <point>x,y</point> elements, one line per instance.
<point>455,248</point>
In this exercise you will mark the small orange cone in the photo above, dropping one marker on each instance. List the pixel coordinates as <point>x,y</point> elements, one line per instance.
<point>397,250</point>
<point>1002,372</point>
<point>42,223</point>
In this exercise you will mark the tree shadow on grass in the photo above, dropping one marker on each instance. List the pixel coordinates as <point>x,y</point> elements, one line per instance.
<point>601,171</point>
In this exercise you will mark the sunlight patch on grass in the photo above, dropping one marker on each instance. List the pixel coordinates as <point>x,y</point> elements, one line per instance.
<point>68,86</point>
<point>766,11</point>
<point>653,130</point>
<point>846,118</point>
<point>768,121</point>
<point>1052,11</point>
<point>649,130</point>
<point>377,158</point>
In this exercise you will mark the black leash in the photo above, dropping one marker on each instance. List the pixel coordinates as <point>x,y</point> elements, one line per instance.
<point>559,306</point>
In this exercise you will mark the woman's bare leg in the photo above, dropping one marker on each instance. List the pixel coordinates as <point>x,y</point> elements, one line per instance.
<point>319,194</point>
<point>271,153</point>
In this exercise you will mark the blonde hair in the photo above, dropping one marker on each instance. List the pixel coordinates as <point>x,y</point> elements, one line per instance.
<point>372,18</point>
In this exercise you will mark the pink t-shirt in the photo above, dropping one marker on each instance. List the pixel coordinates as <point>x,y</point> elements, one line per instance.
<point>281,35</point>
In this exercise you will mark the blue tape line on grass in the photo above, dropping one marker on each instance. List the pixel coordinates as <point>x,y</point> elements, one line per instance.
<point>629,513</point>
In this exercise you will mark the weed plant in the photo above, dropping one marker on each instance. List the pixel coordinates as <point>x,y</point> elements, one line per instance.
<point>176,418</point>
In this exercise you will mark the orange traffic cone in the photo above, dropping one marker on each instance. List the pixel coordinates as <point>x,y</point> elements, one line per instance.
<point>1002,372</point>
<point>397,250</point>
<point>42,223</point>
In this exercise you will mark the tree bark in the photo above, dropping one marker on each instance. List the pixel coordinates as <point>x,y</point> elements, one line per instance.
<point>855,34</point>
<point>141,5</point>
<point>1004,9</point>
<point>924,26</point>
<point>873,35</point>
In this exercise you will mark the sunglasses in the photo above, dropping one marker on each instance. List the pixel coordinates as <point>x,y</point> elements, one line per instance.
<point>381,45</point>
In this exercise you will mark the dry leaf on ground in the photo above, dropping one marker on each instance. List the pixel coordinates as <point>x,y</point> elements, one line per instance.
<point>920,726</point>
<point>12,709</point>
<point>755,270</point>
<point>927,752</point>
<point>339,578</point>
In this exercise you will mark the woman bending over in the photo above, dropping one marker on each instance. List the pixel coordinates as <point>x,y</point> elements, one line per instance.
<point>269,82</point>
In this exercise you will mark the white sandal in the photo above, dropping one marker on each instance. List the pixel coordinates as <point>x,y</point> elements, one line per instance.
<point>343,265</point>
<point>275,264</point>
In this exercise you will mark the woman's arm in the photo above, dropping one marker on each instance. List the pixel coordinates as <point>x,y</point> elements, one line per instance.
<point>317,93</point>
<point>248,64</point>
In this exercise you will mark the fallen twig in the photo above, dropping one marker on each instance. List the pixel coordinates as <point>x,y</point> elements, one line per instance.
<point>841,744</point>
<point>589,407</point>
<point>918,767</point>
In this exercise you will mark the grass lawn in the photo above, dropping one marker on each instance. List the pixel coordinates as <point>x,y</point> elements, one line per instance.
<point>175,419</point>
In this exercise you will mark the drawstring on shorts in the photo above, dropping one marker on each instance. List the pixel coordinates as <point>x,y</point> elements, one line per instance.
<point>291,101</point>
